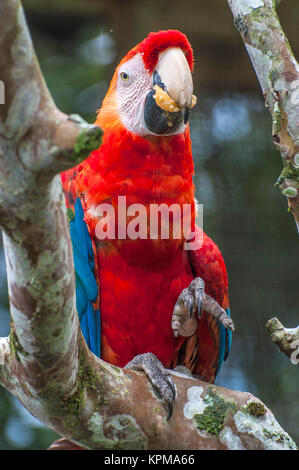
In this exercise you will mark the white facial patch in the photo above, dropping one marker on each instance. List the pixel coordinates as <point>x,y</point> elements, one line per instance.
<point>133,85</point>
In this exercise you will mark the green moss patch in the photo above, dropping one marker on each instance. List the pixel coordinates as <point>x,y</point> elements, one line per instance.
<point>87,379</point>
<point>255,408</point>
<point>213,417</point>
<point>289,172</point>
<point>88,140</point>
<point>15,345</point>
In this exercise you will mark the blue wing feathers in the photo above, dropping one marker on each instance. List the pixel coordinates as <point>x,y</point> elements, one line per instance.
<point>86,283</point>
<point>228,338</point>
<point>225,336</point>
<point>83,252</point>
<point>91,315</point>
<point>81,297</point>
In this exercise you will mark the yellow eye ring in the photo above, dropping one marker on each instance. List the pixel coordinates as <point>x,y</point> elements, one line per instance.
<point>124,76</point>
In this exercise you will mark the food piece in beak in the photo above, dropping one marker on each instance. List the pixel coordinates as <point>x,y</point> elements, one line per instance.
<point>164,101</point>
<point>168,104</point>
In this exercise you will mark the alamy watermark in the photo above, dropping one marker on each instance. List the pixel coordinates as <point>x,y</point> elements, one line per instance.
<point>152,221</point>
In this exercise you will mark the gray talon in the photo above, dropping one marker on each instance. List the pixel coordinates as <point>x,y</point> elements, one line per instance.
<point>170,410</point>
<point>158,376</point>
<point>184,321</point>
<point>190,307</point>
<point>199,306</point>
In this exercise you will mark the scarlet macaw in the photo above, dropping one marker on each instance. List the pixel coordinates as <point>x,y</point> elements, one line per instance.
<point>128,290</point>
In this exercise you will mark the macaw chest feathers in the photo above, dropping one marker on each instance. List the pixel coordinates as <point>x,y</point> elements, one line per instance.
<point>138,194</point>
<point>146,218</point>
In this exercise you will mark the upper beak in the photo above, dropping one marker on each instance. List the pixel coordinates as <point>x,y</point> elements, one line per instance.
<point>167,105</point>
<point>175,74</point>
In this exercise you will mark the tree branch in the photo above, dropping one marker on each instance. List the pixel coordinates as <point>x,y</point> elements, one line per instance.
<point>45,362</point>
<point>287,339</point>
<point>278,74</point>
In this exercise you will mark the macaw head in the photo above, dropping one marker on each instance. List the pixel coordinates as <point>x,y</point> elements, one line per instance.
<point>151,92</point>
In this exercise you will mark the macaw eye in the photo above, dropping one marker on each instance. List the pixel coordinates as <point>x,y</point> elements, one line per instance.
<point>124,76</point>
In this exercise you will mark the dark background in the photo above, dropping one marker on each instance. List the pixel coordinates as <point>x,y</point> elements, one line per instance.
<point>79,44</point>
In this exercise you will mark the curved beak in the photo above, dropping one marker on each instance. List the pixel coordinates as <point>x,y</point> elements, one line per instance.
<point>175,73</point>
<point>168,104</point>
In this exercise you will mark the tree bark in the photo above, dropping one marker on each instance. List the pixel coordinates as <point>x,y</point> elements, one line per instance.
<point>45,362</point>
<point>287,339</point>
<point>278,73</point>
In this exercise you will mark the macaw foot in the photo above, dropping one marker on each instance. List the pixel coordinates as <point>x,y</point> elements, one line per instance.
<point>158,376</point>
<point>191,300</point>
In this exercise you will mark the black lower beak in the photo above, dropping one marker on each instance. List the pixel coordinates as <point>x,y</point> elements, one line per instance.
<point>159,121</point>
<point>186,116</point>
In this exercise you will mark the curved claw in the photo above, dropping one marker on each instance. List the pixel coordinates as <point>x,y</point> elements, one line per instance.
<point>170,410</point>
<point>190,306</point>
<point>197,286</point>
<point>194,298</point>
<point>158,376</point>
<point>199,306</point>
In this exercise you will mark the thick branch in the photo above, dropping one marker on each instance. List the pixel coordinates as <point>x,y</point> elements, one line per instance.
<point>113,408</point>
<point>278,74</point>
<point>45,363</point>
<point>36,142</point>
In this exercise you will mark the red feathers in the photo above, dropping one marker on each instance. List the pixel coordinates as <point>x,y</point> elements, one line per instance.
<point>140,280</point>
<point>155,169</point>
<point>155,43</point>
